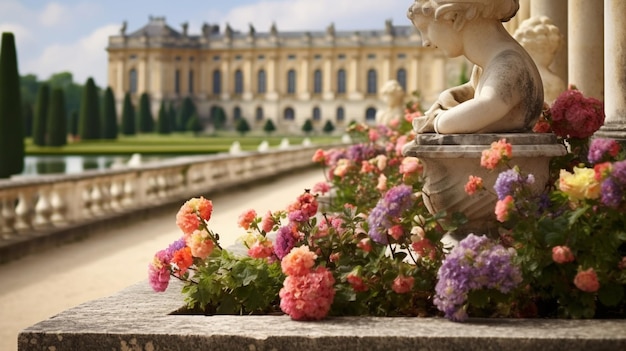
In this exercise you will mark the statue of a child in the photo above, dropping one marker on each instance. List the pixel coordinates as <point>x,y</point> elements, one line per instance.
<point>505,92</point>
<point>393,94</point>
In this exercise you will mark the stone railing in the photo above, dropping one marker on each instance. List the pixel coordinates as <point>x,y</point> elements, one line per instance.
<point>52,202</point>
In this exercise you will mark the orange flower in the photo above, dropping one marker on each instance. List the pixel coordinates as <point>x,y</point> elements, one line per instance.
<point>473,184</point>
<point>183,260</point>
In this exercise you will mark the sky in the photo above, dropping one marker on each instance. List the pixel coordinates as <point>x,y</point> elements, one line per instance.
<point>72,35</point>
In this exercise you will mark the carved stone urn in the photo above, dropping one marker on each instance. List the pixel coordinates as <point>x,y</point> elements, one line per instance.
<point>449,160</point>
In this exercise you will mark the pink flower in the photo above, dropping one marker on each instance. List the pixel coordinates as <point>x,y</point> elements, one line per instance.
<point>503,207</point>
<point>402,284</point>
<point>382,183</point>
<point>365,244</point>
<point>410,165</point>
<point>425,249</point>
<point>587,280</point>
<point>261,249</point>
<point>200,243</point>
<point>381,162</point>
<point>400,142</point>
<point>192,212</point>
<point>356,282</point>
<point>396,232</point>
<point>373,135</point>
<point>576,116</point>
<point>622,263</point>
<point>307,203</point>
<point>158,271</point>
<point>321,188</point>
<point>309,296</point>
<point>367,167</point>
<point>298,261</point>
<point>473,184</point>
<point>334,257</point>
<point>500,151</point>
<point>319,156</point>
<point>268,222</point>
<point>562,254</point>
<point>246,218</point>
<point>342,168</point>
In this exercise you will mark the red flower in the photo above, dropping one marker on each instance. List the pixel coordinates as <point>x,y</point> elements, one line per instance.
<point>587,280</point>
<point>576,116</point>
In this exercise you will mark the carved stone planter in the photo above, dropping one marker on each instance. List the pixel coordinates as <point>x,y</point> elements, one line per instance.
<point>450,159</point>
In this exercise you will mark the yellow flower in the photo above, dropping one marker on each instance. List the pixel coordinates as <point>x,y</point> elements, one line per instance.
<point>579,185</point>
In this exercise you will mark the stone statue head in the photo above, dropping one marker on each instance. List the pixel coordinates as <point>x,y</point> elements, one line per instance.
<point>540,37</point>
<point>464,10</point>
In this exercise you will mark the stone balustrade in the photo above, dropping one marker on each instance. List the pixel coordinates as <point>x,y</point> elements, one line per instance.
<point>34,205</point>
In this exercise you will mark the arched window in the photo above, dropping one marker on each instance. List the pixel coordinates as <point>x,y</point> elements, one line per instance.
<point>317,81</point>
<point>289,114</point>
<point>177,81</point>
<point>238,82</point>
<point>132,77</point>
<point>341,81</point>
<point>291,81</point>
<point>372,82</point>
<point>190,81</point>
<point>401,78</point>
<point>317,114</point>
<point>236,113</point>
<point>217,82</point>
<point>341,114</point>
<point>259,114</point>
<point>370,114</point>
<point>262,82</point>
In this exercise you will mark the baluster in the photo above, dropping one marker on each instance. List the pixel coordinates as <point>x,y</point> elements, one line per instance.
<point>117,192</point>
<point>95,197</point>
<point>128,195</point>
<point>161,184</point>
<point>42,210</point>
<point>86,198</point>
<point>24,211</point>
<point>8,216</point>
<point>59,208</point>
<point>105,202</point>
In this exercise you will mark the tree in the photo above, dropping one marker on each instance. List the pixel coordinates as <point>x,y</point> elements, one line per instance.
<point>146,121</point>
<point>163,121</point>
<point>329,127</point>
<point>57,119</point>
<point>242,126</point>
<point>269,126</point>
<point>89,126</point>
<point>184,114</point>
<point>41,114</point>
<point>11,123</point>
<point>307,127</point>
<point>128,116</point>
<point>171,115</point>
<point>73,124</point>
<point>27,113</point>
<point>109,116</point>
<point>218,117</point>
<point>194,125</point>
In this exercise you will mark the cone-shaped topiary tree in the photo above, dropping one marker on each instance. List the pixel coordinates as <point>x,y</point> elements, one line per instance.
<point>41,115</point>
<point>329,127</point>
<point>128,116</point>
<point>218,117</point>
<point>57,119</point>
<point>194,125</point>
<point>242,126</point>
<point>185,112</point>
<point>27,114</point>
<point>307,127</point>
<point>163,122</point>
<point>146,121</point>
<point>11,122</point>
<point>73,124</point>
<point>89,125</point>
<point>269,126</point>
<point>171,114</point>
<point>109,125</point>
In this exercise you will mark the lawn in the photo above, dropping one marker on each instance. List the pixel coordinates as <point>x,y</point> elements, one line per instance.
<point>179,143</point>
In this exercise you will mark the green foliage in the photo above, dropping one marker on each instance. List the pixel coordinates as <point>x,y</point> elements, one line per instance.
<point>163,122</point>
<point>185,112</point>
<point>242,126</point>
<point>109,114</point>
<point>307,127</point>
<point>218,117</point>
<point>71,90</point>
<point>146,121</point>
<point>41,115</point>
<point>27,112</point>
<point>269,126</point>
<point>29,86</point>
<point>194,125</point>
<point>57,119</point>
<point>89,124</point>
<point>73,124</point>
<point>128,116</point>
<point>11,120</point>
<point>171,115</point>
<point>329,127</point>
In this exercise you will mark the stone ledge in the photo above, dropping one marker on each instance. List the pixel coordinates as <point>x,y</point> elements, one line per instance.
<point>139,319</point>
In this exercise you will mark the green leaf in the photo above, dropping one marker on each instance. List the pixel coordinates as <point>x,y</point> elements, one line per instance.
<point>611,294</point>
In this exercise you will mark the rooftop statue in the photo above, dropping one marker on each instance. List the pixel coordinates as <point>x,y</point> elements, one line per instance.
<point>541,38</point>
<point>504,93</point>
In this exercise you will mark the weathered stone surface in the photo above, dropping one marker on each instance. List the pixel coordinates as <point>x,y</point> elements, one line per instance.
<point>139,319</point>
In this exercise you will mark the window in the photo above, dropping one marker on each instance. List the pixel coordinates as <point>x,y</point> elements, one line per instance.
<point>371,82</point>
<point>291,81</point>
<point>238,57</point>
<point>216,58</point>
<point>371,56</point>
<point>401,56</point>
<point>190,81</point>
<point>317,57</point>
<point>291,57</point>
<point>177,81</point>
<point>261,57</point>
<point>401,78</point>
<point>217,82</point>
<point>237,113</point>
<point>341,81</point>
<point>262,82</point>
<point>289,114</point>
<point>317,81</point>
<point>341,57</point>
<point>258,115</point>
<point>341,114</point>
<point>238,82</point>
<point>370,115</point>
<point>132,77</point>
<point>317,114</point>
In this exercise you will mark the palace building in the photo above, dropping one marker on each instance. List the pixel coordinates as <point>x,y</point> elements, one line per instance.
<point>288,77</point>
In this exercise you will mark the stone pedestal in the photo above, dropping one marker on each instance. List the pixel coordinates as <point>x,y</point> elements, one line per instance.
<point>450,159</point>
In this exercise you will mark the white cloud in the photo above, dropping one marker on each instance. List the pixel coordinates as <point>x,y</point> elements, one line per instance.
<point>21,33</point>
<point>53,14</point>
<point>85,57</point>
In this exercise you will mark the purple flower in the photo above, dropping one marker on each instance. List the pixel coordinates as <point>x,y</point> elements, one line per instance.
<point>391,206</point>
<point>298,216</point>
<point>600,148</point>
<point>175,246</point>
<point>619,172</point>
<point>285,241</point>
<point>476,263</point>
<point>509,181</point>
<point>611,193</point>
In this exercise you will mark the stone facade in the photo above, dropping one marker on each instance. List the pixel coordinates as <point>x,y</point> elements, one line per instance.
<point>286,76</point>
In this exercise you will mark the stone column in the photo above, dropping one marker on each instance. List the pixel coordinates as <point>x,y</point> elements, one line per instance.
<point>586,47</point>
<point>556,10</point>
<point>327,79</point>
<point>614,71</point>
<point>304,86</point>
